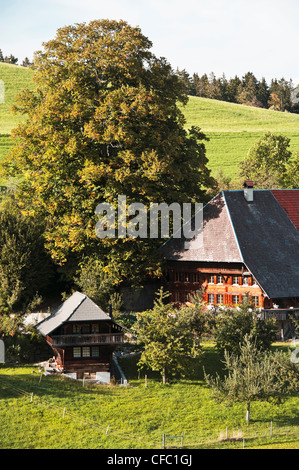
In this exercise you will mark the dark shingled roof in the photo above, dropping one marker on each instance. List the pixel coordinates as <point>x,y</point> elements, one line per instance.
<point>268,240</point>
<point>259,234</point>
<point>78,307</point>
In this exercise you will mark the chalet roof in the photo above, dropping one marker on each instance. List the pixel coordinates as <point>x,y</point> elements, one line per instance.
<point>78,307</point>
<point>262,235</point>
<point>219,243</point>
<point>268,241</point>
<point>289,201</point>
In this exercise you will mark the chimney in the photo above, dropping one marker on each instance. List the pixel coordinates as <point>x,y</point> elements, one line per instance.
<point>248,190</point>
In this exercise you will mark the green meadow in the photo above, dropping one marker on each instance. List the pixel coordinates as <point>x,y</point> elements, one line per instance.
<point>231,128</point>
<point>51,412</point>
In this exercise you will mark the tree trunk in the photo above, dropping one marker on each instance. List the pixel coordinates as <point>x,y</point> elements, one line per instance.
<point>163,376</point>
<point>248,412</point>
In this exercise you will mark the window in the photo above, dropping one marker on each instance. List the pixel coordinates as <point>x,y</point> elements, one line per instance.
<point>254,283</point>
<point>77,352</point>
<point>255,300</point>
<point>85,351</point>
<point>211,298</point>
<point>76,329</point>
<point>219,279</point>
<point>95,328</point>
<point>195,277</point>
<point>211,279</point>
<point>245,281</point>
<point>235,279</point>
<point>219,299</point>
<point>177,296</point>
<point>235,299</point>
<point>95,351</point>
<point>86,328</point>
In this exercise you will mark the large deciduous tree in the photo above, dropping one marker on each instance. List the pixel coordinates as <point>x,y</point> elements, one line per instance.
<point>103,121</point>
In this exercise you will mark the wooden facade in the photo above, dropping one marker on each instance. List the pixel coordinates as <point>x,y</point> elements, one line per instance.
<point>249,246</point>
<point>83,338</point>
<point>221,285</point>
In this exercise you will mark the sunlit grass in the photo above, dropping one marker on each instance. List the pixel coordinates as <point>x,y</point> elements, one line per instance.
<point>64,414</point>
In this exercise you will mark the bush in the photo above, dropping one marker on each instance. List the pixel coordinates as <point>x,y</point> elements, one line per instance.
<point>232,325</point>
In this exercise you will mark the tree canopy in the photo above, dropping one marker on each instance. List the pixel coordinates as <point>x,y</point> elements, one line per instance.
<point>25,268</point>
<point>270,163</point>
<point>170,336</point>
<point>102,121</point>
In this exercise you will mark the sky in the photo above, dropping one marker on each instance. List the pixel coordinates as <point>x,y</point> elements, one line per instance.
<point>230,37</point>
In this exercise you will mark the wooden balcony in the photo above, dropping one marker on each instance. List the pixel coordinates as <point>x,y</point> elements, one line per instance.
<point>279,313</point>
<point>92,339</point>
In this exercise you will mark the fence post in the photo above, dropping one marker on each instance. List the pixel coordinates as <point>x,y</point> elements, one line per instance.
<point>163,441</point>
<point>271,428</point>
<point>63,412</point>
<point>145,380</point>
<point>182,439</point>
<point>31,397</point>
<point>107,429</point>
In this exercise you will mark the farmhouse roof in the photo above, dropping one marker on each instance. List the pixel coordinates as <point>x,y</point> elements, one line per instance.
<point>78,307</point>
<point>262,234</point>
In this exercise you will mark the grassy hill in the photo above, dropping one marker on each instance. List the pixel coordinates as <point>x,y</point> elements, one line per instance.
<point>232,128</point>
<point>53,412</point>
<point>15,78</point>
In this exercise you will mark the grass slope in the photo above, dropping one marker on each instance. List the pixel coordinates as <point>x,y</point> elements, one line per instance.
<point>15,78</point>
<point>63,414</point>
<point>233,128</point>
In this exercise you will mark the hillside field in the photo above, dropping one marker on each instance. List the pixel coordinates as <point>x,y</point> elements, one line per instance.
<point>52,412</point>
<point>231,128</point>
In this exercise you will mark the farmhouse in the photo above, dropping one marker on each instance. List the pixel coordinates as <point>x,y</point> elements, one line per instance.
<point>249,245</point>
<point>83,338</point>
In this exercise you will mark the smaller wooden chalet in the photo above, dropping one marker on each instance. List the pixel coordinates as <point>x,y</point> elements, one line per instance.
<point>83,338</point>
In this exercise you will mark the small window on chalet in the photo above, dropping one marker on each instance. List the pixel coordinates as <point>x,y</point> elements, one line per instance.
<point>95,351</point>
<point>86,328</point>
<point>219,279</point>
<point>95,328</point>
<point>85,351</point>
<point>211,298</point>
<point>235,299</point>
<point>219,299</point>
<point>195,277</point>
<point>77,352</point>
<point>255,300</point>
<point>254,283</point>
<point>211,279</point>
<point>236,280</point>
<point>177,296</point>
<point>76,329</point>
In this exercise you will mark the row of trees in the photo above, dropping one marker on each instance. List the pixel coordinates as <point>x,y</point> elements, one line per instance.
<point>247,90</point>
<point>11,59</point>
<point>171,339</point>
